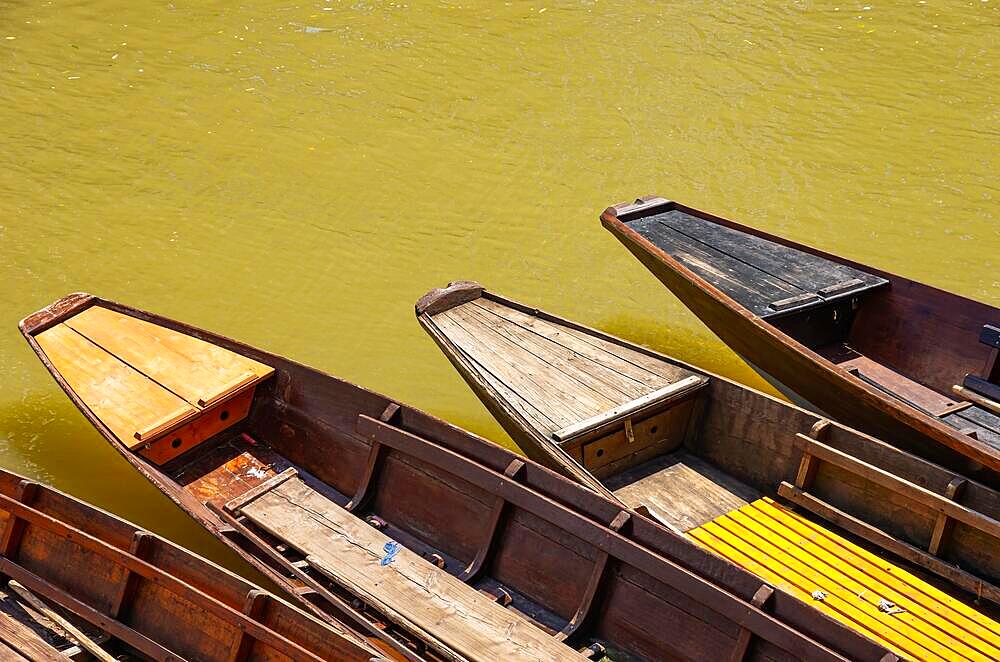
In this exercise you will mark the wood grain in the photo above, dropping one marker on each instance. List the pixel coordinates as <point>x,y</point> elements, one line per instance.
<point>456,619</point>
<point>125,400</point>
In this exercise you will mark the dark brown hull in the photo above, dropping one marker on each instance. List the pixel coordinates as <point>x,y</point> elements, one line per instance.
<point>151,596</point>
<point>444,492</point>
<point>818,380</point>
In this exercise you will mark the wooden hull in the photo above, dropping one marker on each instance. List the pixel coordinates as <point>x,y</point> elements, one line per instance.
<point>709,460</point>
<point>151,597</point>
<point>465,514</point>
<point>922,312</point>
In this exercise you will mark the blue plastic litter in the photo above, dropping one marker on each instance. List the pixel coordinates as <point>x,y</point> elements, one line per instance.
<point>391,548</point>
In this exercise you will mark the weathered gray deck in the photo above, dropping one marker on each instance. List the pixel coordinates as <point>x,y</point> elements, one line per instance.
<point>766,277</point>
<point>453,617</point>
<point>553,375</point>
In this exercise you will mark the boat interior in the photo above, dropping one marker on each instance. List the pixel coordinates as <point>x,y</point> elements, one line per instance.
<point>712,459</point>
<point>933,351</point>
<point>85,585</point>
<point>361,506</point>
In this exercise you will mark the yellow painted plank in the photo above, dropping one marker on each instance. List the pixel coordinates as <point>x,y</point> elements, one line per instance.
<point>811,562</point>
<point>125,400</point>
<point>802,556</point>
<point>897,585</point>
<point>832,608</point>
<point>196,370</point>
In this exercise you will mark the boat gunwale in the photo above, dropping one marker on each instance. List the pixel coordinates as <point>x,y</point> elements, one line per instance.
<point>923,424</point>
<point>800,620</point>
<point>98,527</point>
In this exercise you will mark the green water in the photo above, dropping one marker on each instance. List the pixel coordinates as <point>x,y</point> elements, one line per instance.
<point>297,175</point>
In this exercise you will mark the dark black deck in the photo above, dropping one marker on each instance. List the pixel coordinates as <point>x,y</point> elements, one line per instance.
<point>765,277</point>
<point>985,423</point>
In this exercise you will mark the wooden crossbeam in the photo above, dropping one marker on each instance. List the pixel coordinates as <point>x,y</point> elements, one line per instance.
<point>593,584</point>
<point>140,547</point>
<point>254,605</point>
<point>25,493</point>
<point>513,470</point>
<point>375,454</point>
<point>944,524</point>
<point>759,600</point>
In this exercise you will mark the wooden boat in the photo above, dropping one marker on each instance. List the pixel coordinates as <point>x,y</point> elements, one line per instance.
<point>86,584</point>
<point>379,515</point>
<point>906,362</point>
<point>711,459</point>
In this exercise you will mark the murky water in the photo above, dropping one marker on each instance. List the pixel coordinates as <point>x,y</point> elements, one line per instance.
<point>296,175</point>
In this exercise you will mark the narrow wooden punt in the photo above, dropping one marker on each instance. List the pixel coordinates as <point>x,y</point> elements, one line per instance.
<point>906,362</point>
<point>136,594</point>
<point>374,513</point>
<point>707,457</point>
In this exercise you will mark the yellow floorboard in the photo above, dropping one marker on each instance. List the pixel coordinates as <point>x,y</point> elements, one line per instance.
<point>803,557</point>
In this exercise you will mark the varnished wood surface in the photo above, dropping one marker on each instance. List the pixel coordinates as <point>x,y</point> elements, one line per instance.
<point>443,610</point>
<point>125,400</point>
<point>191,368</point>
<point>143,380</point>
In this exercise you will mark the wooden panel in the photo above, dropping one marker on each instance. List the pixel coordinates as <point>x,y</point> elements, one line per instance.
<point>453,617</point>
<point>683,490</point>
<point>664,431</point>
<point>753,270</point>
<point>211,421</point>
<point>649,370</point>
<point>125,400</point>
<point>198,371</point>
<point>802,557</point>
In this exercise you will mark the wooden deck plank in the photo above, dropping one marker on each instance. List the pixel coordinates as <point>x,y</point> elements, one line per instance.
<point>649,370</point>
<point>196,370</point>
<point>557,404</point>
<point>537,368</point>
<point>744,282</point>
<point>681,488</point>
<point>808,272</point>
<point>453,617</point>
<point>802,556</point>
<point>125,400</point>
<point>20,638</point>
<point>582,367</point>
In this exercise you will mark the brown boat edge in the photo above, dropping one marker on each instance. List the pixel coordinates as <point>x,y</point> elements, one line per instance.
<point>711,459</point>
<point>906,362</point>
<point>381,516</point>
<point>134,595</point>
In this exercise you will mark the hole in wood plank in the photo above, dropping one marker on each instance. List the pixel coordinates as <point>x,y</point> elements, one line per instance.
<point>653,429</point>
<point>600,452</point>
<point>176,443</point>
<point>223,415</point>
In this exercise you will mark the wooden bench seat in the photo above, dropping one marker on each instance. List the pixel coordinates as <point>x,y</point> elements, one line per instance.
<point>850,584</point>
<point>146,382</point>
<point>454,618</point>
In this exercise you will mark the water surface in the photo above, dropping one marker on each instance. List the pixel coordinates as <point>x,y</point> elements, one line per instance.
<point>297,175</point>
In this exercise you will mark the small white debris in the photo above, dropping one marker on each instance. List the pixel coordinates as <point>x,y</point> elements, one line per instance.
<point>254,472</point>
<point>889,607</point>
<point>819,595</point>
